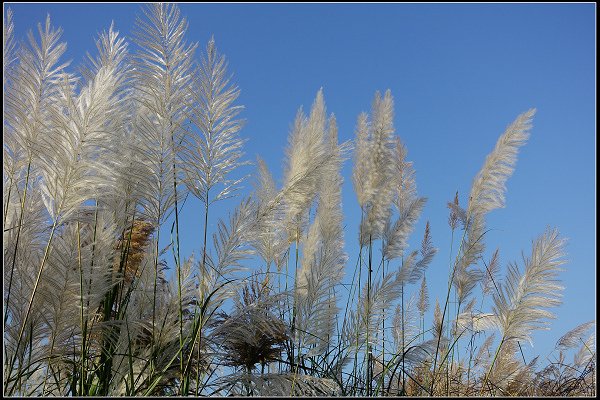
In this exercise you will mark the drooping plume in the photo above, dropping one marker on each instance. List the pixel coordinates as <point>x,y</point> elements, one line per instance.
<point>487,193</point>
<point>522,302</point>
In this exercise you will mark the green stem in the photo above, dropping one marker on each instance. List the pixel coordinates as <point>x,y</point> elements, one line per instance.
<point>446,303</point>
<point>487,375</point>
<point>206,204</point>
<point>30,304</point>
<point>12,268</point>
<point>403,339</point>
<point>83,323</point>
<point>177,255</point>
<point>368,311</point>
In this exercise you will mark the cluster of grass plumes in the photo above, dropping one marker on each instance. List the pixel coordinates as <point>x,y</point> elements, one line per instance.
<point>97,166</point>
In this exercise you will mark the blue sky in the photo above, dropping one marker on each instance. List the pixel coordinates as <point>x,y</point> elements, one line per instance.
<point>459,74</point>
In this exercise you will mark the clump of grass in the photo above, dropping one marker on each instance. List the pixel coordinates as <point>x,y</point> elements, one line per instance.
<point>97,167</point>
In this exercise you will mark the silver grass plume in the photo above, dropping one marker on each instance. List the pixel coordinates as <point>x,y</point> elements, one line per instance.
<point>487,193</point>
<point>413,269</point>
<point>370,309</point>
<point>363,162</point>
<point>8,45</point>
<point>484,354</point>
<point>438,331</point>
<point>491,280</point>
<point>77,279</point>
<point>215,152</point>
<point>489,186</point>
<point>408,204</point>
<point>587,352</point>
<point>406,188</point>
<point>423,304</point>
<point>231,241</point>
<point>457,213</point>
<point>26,254</point>
<point>79,151</point>
<point>163,68</point>
<point>269,238</point>
<point>72,161</point>
<point>437,319</point>
<point>33,90</point>
<point>129,172</point>
<point>475,321</point>
<point>323,254</point>
<point>575,336</point>
<point>30,95</point>
<point>405,323</point>
<point>379,147</point>
<point>305,156</point>
<point>520,304</point>
<point>506,369</point>
<point>232,245</point>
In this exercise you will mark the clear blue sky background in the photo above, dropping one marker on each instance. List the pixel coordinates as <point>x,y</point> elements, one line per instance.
<point>459,74</point>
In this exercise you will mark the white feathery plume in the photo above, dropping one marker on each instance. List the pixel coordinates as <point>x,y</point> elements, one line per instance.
<point>383,149</point>
<point>163,68</point>
<point>382,295</point>
<point>24,249</point>
<point>8,45</point>
<point>396,235</point>
<point>575,336</point>
<point>412,269</point>
<point>232,245</point>
<point>427,252</point>
<point>476,322</point>
<point>30,97</point>
<point>305,159</point>
<point>73,157</point>
<point>587,352</point>
<point>406,187</point>
<point>457,213</point>
<point>484,354</point>
<point>405,323</point>
<point>521,304</point>
<point>491,280</point>
<point>164,64</point>
<point>362,177</point>
<point>506,368</point>
<point>407,203</point>
<point>33,91</point>
<point>77,163</point>
<point>323,254</point>
<point>130,173</point>
<point>407,272</point>
<point>215,152</point>
<point>438,332</point>
<point>487,193</point>
<point>489,186</point>
<point>423,304</point>
<point>231,242</point>
<point>77,278</point>
<point>269,238</point>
